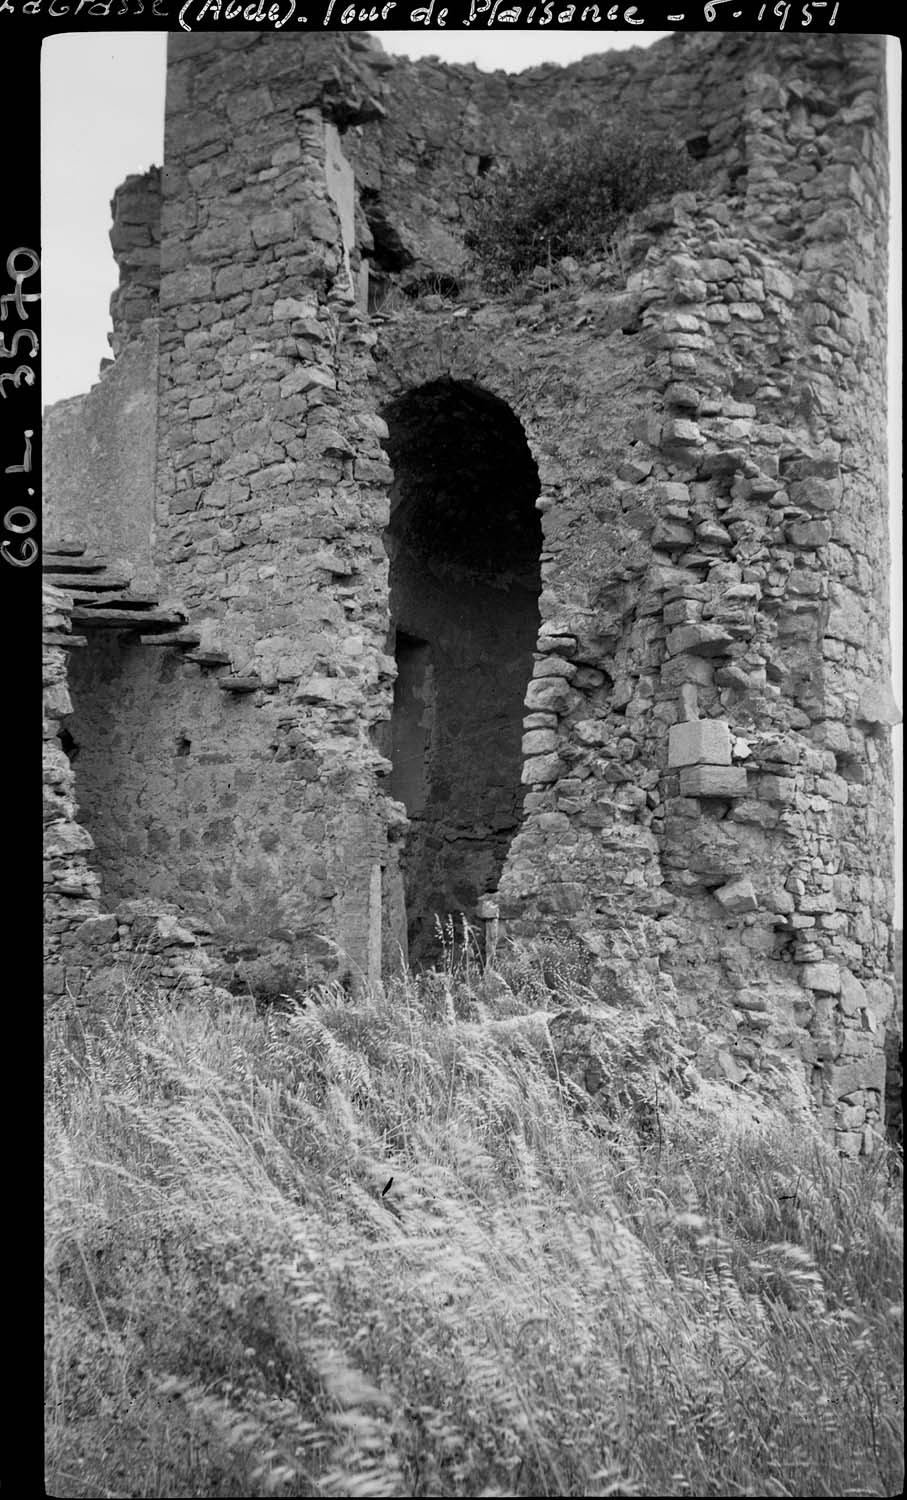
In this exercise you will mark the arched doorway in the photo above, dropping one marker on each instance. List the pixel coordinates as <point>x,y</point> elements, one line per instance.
<point>464,542</point>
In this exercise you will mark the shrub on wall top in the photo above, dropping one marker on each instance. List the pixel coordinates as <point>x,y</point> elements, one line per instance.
<point>570,194</point>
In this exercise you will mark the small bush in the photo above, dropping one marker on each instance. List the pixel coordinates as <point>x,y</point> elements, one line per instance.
<point>570,194</point>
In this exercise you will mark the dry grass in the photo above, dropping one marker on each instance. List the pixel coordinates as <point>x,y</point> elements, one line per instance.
<point>571,193</point>
<point>533,1307</point>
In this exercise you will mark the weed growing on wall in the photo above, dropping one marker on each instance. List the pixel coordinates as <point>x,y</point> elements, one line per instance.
<point>570,194</point>
<point>368,1247</point>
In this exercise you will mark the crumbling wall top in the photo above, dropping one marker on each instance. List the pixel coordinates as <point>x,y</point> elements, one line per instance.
<point>135,238</point>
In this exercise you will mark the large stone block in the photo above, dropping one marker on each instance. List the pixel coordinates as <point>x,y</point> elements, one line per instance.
<point>270,228</point>
<point>772,788</point>
<point>187,286</point>
<point>540,769</point>
<point>809,533</point>
<point>877,706</point>
<point>550,694</point>
<point>737,896</point>
<point>61,839</point>
<point>880,1005</point>
<point>713,781</point>
<point>699,640</point>
<point>54,979</point>
<point>844,1079</point>
<point>821,976</point>
<point>96,931</point>
<point>539,742</point>
<point>682,612</point>
<point>853,997</point>
<point>816,494</point>
<point>705,742</point>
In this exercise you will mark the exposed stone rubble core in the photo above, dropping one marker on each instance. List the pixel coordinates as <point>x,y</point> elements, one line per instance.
<point>136,242</point>
<point>89,952</point>
<point>72,889</point>
<point>639,503</point>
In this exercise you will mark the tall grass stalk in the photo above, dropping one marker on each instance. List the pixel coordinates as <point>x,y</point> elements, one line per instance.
<point>239,1304</point>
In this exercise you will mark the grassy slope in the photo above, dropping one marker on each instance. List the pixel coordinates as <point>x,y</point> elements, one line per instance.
<point>534,1306</point>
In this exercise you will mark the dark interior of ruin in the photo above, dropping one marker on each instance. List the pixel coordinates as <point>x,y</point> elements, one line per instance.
<point>464,542</point>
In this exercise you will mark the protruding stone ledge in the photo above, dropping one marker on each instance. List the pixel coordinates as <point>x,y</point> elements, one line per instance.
<point>877,706</point>
<point>699,640</point>
<point>205,658</point>
<point>713,781</point>
<point>184,639</point>
<point>70,558</point>
<point>59,638</point>
<point>148,620</point>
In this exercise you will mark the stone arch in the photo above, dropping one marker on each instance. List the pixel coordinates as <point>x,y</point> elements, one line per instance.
<point>464,541</point>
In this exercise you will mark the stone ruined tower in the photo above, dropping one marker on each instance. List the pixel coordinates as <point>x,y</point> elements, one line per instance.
<point>565,610</point>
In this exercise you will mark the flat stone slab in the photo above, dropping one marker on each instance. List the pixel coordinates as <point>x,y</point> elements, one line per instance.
<point>125,619</point>
<point>185,638</point>
<point>209,658</point>
<point>114,599</point>
<point>66,562</point>
<point>63,547</point>
<point>94,583</point>
<point>62,638</point>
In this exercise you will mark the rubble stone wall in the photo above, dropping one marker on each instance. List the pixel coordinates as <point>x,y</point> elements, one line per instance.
<point>446,127</point>
<point>95,945</point>
<point>100,455</point>
<point>701,792</point>
<point>72,888</point>
<point>187,804</point>
<point>135,238</point>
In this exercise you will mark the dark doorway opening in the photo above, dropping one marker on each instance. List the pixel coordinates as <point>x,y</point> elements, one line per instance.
<point>464,542</point>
